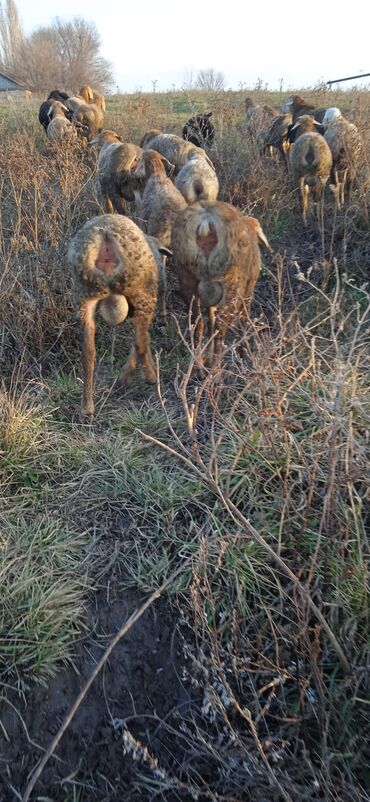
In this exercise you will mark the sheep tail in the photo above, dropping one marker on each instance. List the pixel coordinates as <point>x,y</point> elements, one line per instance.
<point>206,233</point>
<point>310,158</point>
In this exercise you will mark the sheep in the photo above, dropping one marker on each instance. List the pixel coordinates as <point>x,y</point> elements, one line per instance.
<point>199,130</point>
<point>310,162</point>
<point>161,201</point>
<point>117,272</point>
<point>173,148</point>
<point>148,136</point>
<point>59,126</point>
<point>217,260</point>
<point>258,116</point>
<point>116,164</point>
<point>297,106</point>
<point>345,144</point>
<point>332,113</point>
<point>44,109</point>
<point>304,124</point>
<point>197,180</point>
<point>277,136</point>
<point>92,96</point>
<point>87,114</point>
<point>90,117</point>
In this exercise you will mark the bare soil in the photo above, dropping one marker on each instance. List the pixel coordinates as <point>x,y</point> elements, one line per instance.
<point>140,685</point>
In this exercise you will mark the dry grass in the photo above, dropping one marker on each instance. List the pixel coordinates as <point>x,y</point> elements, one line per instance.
<point>275,443</point>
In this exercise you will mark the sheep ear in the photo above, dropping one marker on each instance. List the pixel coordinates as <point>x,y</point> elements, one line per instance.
<point>209,114</point>
<point>255,225</point>
<point>163,250</point>
<point>293,127</point>
<point>93,141</point>
<point>168,165</point>
<point>50,110</point>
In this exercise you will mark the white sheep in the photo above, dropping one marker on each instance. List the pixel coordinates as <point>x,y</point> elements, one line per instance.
<point>197,180</point>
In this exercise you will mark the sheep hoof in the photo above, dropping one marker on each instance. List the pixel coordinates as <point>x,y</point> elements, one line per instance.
<point>86,414</point>
<point>150,377</point>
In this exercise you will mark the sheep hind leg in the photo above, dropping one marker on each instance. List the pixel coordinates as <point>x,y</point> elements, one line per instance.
<point>304,190</point>
<point>140,352</point>
<point>88,355</point>
<point>343,185</point>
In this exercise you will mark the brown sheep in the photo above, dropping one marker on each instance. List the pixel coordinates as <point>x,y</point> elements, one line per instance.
<point>218,261</point>
<point>116,169</point>
<point>303,125</point>
<point>296,106</point>
<point>118,272</point>
<point>310,162</point>
<point>160,201</point>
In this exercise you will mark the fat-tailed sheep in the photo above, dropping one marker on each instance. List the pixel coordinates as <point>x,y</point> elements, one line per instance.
<point>118,272</point>
<point>199,130</point>
<point>116,165</point>
<point>197,180</point>
<point>217,258</point>
<point>310,162</point>
<point>161,201</point>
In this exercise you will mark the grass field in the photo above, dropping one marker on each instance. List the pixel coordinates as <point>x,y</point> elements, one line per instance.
<point>249,678</point>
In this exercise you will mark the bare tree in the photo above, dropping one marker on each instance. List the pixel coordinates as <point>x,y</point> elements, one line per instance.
<point>188,81</point>
<point>211,80</point>
<point>65,54</point>
<point>11,37</point>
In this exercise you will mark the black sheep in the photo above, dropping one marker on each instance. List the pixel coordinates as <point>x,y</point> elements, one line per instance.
<point>55,94</point>
<point>199,130</point>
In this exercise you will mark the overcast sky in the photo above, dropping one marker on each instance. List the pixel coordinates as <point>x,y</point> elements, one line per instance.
<point>300,43</point>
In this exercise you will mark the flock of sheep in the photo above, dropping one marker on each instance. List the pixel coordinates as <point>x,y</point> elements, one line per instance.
<point>119,265</point>
<point>315,143</point>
